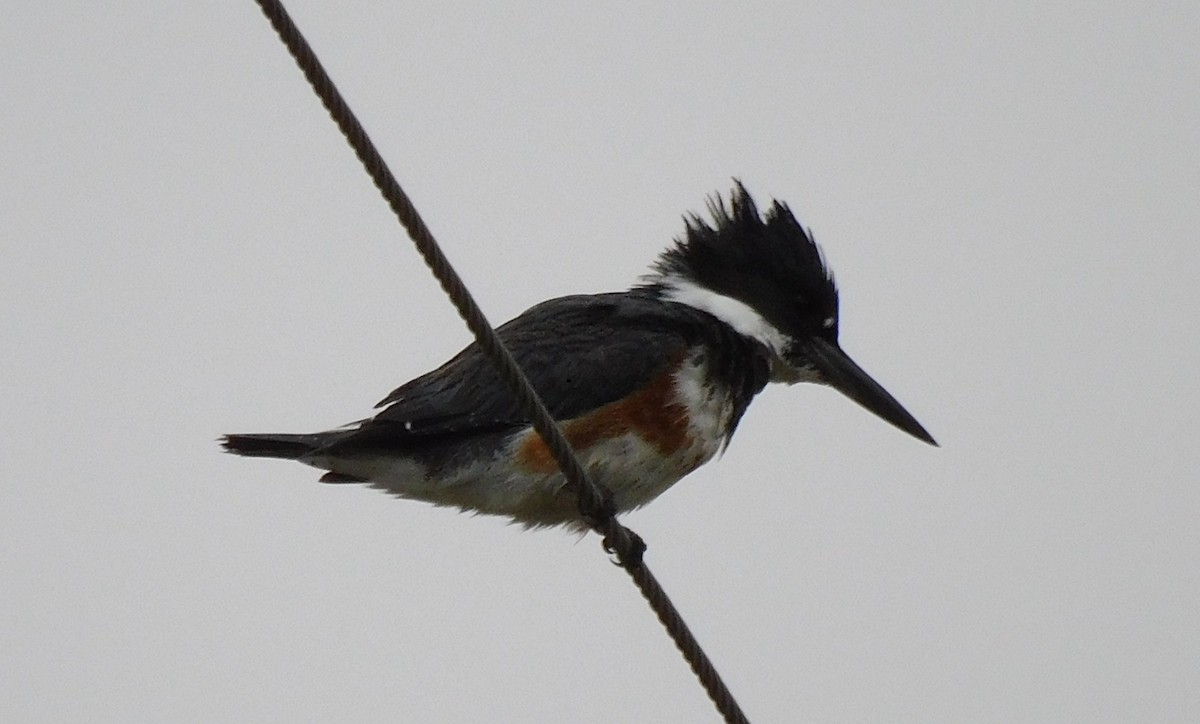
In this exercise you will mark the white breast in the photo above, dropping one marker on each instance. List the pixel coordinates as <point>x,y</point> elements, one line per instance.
<point>710,407</point>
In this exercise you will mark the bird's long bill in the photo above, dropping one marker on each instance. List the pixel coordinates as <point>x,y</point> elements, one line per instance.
<point>841,373</point>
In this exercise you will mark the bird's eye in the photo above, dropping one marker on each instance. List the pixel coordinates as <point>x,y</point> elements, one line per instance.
<point>829,322</point>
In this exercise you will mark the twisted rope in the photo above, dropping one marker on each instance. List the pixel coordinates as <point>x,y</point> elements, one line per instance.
<point>595,503</point>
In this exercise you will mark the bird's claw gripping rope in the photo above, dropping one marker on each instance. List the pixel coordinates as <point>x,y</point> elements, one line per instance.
<point>600,514</point>
<point>629,552</point>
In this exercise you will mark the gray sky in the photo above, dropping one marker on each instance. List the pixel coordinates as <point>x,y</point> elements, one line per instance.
<point>1008,197</point>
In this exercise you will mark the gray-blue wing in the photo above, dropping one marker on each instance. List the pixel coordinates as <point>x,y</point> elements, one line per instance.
<point>580,352</point>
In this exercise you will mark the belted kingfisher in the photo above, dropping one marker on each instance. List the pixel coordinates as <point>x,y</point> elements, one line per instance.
<point>648,384</point>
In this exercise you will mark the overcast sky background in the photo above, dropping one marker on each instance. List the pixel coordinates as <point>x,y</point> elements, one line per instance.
<point>1008,197</point>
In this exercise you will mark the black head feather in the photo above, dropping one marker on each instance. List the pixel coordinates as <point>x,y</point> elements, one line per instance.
<point>768,262</point>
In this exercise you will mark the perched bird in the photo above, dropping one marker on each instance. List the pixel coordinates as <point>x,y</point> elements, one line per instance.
<point>648,384</point>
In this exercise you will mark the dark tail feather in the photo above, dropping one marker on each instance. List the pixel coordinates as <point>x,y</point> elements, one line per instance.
<point>289,447</point>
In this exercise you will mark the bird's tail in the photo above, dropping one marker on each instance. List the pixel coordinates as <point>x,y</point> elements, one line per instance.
<point>274,445</point>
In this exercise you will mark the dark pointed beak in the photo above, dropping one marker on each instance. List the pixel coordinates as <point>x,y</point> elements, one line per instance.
<point>840,372</point>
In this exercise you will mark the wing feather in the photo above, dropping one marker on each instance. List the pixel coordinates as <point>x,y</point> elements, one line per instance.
<point>580,352</point>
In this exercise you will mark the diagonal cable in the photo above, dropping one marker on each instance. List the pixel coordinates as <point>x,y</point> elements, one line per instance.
<point>595,503</point>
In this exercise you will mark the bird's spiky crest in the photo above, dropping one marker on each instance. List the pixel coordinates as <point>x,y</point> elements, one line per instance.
<point>769,262</point>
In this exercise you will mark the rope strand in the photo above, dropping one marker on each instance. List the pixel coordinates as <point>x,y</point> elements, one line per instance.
<point>595,503</point>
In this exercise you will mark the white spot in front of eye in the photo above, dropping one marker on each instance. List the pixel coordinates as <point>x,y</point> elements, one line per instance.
<point>408,425</point>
